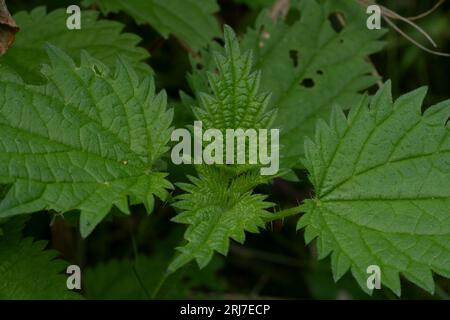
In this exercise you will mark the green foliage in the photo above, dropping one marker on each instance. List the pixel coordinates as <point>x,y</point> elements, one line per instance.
<point>256,4</point>
<point>382,182</point>
<point>125,279</point>
<point>82,130</point>
<point>28,272</point>
<point>85,140</point>
<point>101,38</point>
<point>235,101</point>
<point>217,206</point>
<point>323,286</point>
<point>190,20</point>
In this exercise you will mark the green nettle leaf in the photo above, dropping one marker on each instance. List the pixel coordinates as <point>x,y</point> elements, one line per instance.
<point>309,67</point>
<point>382,184</point>
<point>234,101</point>
<point>102,38</point>
<point>191,21</point>
<point>217,206</point>
<point>28,272</point>
<point>85,140</point>
<point>306,65</point>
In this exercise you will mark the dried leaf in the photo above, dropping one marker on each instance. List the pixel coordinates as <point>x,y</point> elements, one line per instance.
<point>8,28</point>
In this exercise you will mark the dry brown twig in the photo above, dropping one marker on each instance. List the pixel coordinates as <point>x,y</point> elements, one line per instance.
<point>388,14</point>
<point>426,13</point>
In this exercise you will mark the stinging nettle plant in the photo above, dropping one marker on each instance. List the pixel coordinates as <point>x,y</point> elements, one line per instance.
<point>83,128</point>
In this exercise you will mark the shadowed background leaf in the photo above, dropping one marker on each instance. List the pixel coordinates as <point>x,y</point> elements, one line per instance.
<point>8,28</point>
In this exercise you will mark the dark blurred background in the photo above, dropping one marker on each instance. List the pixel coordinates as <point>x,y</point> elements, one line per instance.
<point>275,264</point>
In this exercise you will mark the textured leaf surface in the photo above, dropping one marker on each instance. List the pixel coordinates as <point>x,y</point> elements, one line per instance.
<point>217,206</point>
<point>382,183</point>
<point>232,99</point>
<point>307,66</point>
<point>28,272</point>
<point>190,20</point>
<point>102,38</point>
<point>85,140</point>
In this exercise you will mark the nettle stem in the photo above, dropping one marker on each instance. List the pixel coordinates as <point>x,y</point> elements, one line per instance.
<point>284,214</point>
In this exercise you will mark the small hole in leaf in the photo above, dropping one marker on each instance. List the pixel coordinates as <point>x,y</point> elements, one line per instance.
<point>337,21</point>
<point>219,40</point>
<point>307,83</point>
<point>97,70</point>
<point>341,41</point>
<point>293,54</point>
<point>319,72</point>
